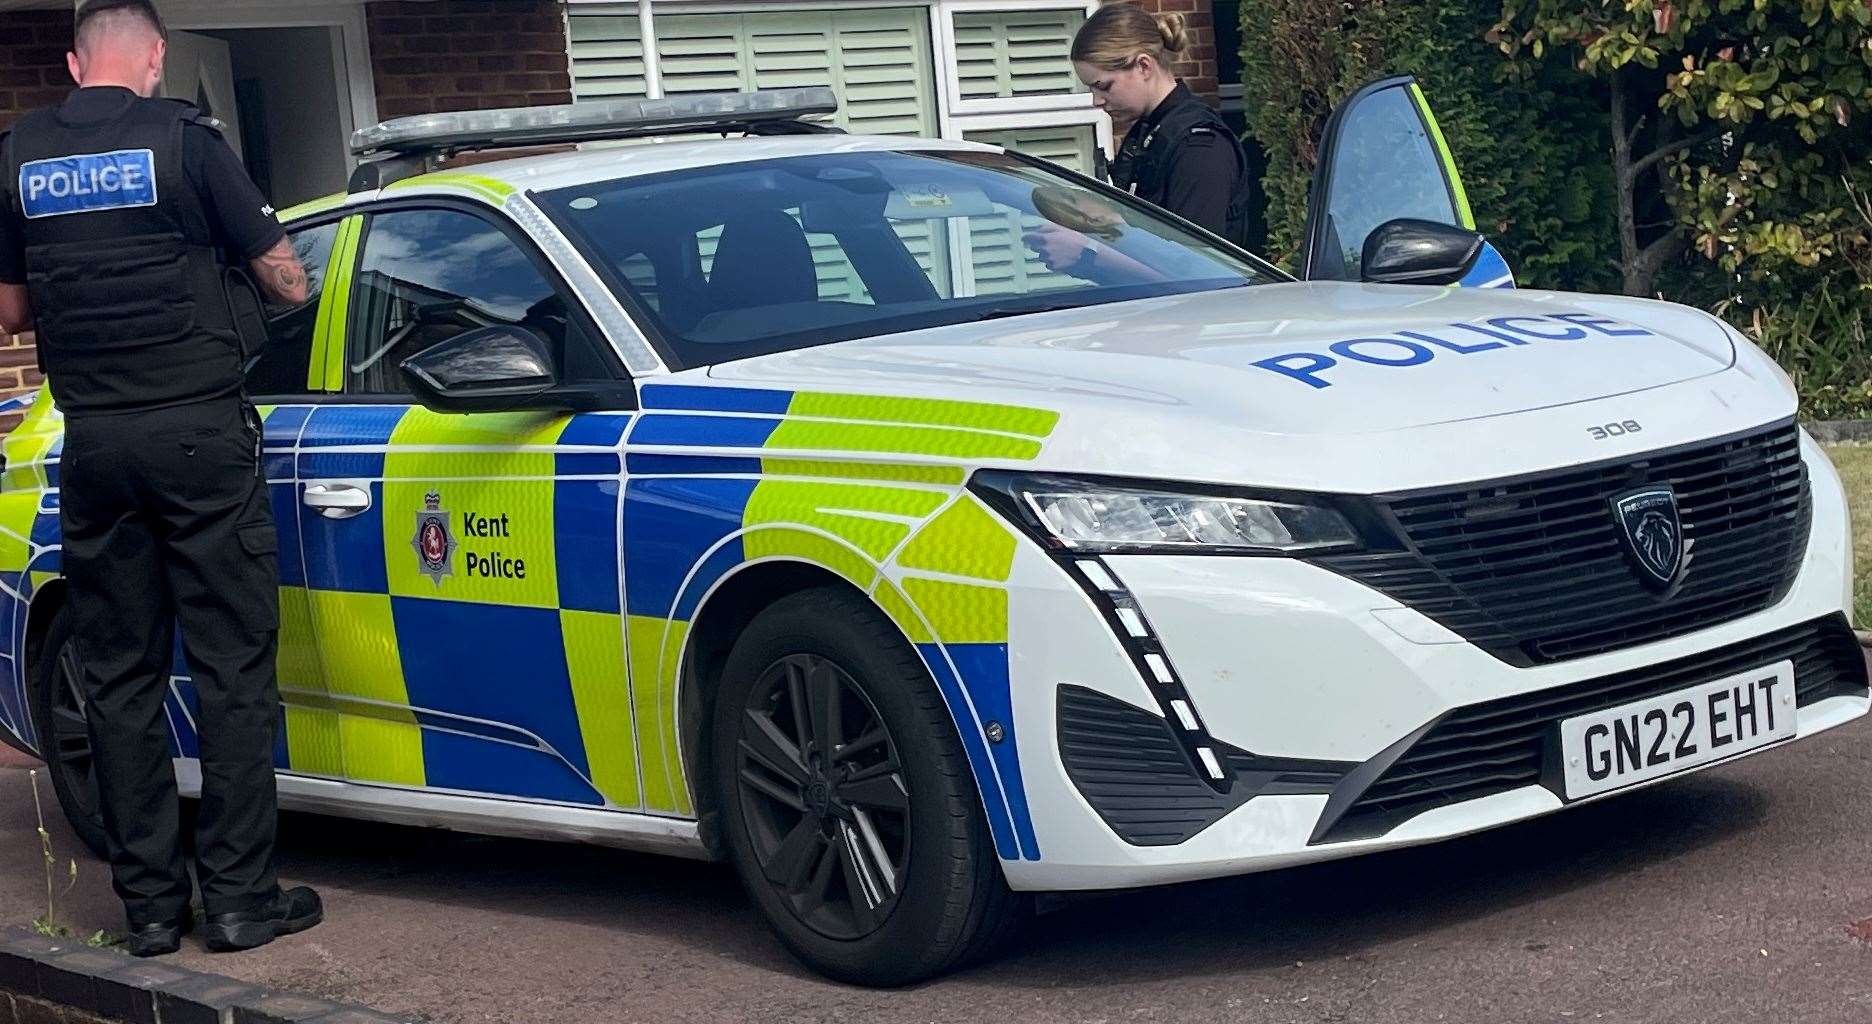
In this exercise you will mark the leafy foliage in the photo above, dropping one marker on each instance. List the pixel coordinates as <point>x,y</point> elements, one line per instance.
<point>1760,120</point>
<point>1529,140</point>
<point>1823,342</point>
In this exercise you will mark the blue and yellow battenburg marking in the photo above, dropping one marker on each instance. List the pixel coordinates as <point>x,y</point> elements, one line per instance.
<point>29,554</point>
<point>484,576</point>
<point>472,628</point>
<point>868,487</point>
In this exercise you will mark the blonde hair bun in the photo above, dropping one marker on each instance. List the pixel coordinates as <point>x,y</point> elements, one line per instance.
<point>1118,33</point>
<point>1174,30</point>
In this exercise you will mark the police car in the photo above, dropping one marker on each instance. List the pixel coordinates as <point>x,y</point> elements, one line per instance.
<point>733,487</point>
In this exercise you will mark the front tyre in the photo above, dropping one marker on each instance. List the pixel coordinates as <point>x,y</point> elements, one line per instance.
<point>847,801</point>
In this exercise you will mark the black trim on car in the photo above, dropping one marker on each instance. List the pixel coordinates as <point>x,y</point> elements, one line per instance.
<point>1531,568</point>
<point>1511,742</point>
<point>1126,762</point>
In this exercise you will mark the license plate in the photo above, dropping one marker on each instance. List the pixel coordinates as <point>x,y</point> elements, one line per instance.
<point>1662,735</point>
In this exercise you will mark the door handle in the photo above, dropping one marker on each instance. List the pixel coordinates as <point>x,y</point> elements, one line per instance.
<point>337,501</point>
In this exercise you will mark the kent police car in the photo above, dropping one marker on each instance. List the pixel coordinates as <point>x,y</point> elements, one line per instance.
<point>765,497</point>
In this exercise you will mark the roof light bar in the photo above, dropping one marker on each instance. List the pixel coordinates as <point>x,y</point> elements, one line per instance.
<point>590,121</point>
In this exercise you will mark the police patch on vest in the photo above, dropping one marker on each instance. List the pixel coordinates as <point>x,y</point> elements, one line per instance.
<point>122,180</point>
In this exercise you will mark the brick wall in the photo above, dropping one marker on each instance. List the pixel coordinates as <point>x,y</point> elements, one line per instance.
<point>33,45</point>
<point>468,55</point>
<point>32,74</point>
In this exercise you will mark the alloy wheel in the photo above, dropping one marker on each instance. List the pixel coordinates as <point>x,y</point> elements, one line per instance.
<point>69,750</point>
<point>822,791</point>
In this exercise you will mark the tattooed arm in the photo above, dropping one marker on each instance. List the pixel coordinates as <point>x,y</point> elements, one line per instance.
<point>279,274</point>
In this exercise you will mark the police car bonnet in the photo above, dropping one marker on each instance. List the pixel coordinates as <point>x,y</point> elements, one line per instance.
<point>1306,358</point>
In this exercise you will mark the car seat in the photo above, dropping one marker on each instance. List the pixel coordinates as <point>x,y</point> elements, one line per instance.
<point>762,259</point>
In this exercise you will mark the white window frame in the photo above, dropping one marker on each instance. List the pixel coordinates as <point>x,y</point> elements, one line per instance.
<point>954,115</point>
<point>943,33</point>
<point>1058,119</point>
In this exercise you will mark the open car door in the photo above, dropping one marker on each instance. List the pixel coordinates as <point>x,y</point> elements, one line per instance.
<point>1382,158</point>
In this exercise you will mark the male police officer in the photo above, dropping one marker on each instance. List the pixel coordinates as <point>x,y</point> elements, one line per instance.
<point>117,210</point>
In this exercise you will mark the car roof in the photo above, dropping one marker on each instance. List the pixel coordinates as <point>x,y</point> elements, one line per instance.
<point>495,179</point>
<point>605,162</point>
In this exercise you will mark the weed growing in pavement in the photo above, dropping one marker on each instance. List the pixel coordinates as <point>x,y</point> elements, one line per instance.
<point>47,925</point>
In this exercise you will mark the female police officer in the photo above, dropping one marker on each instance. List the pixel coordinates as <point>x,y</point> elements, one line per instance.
<point>1179,154</point>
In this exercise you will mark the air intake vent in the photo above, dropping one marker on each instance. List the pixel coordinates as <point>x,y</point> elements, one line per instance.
<point>1129,765</point>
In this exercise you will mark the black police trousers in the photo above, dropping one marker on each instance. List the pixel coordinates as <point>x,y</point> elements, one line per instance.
<point>167,522</point>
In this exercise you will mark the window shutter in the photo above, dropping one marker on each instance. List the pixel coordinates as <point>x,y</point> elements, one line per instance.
<point>877,61</point>
<point>1002,261</point>
<point>1007,54</point>
<point>607,57</point>
<point>1070,146</point>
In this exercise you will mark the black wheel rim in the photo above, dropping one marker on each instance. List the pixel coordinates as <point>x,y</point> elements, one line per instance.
<point>822,792</point>
<point>69,751</point>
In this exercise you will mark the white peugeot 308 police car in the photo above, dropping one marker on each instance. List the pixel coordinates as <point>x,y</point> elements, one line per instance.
<point>769,498</point>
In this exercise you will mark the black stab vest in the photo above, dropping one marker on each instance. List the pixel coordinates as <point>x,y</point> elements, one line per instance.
<point>132,311</point>
<point>1150,148</point>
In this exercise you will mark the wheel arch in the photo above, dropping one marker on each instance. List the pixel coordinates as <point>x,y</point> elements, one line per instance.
<point>721,617</point>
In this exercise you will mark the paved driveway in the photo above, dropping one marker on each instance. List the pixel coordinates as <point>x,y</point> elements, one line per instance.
<point>1725,897</point>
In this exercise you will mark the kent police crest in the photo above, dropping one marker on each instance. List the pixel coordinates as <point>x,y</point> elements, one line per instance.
<point>434,544</point>
<point>1653,534</point>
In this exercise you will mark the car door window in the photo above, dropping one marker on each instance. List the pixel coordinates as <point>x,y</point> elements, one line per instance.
<point>430,274</point>
<point>283,365</point>
<point>1381,160</point>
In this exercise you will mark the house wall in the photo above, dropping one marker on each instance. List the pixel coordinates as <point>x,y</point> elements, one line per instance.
<point>33,45</point>
<point>468,55</point>
<point>426,56</point>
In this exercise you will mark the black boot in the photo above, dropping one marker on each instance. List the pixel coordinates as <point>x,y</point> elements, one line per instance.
<point>293,910</point>
<point>159,938</point>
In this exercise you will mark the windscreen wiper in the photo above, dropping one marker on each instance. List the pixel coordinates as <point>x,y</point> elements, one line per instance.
<point>1002,312</point>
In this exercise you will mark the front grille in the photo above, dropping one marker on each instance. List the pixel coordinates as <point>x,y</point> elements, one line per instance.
<point>1503,744</point>
<point>1533,570</point>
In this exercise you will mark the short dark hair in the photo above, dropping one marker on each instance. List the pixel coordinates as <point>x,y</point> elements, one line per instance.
<point>92,8</point>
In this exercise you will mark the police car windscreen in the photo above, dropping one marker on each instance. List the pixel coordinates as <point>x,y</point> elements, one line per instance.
<point>731,261</point>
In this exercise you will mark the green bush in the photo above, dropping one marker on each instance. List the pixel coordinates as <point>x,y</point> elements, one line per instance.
<point>1822,341</point>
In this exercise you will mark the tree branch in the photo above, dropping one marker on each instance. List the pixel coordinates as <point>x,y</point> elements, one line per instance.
<point>1632,136</point>
<point>1686,142</point>
<point>1661,249</point>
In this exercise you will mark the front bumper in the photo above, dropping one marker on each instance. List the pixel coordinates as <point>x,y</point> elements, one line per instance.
<point>1329,684</point>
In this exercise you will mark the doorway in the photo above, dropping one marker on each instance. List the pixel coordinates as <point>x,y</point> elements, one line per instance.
<point>284,96</point>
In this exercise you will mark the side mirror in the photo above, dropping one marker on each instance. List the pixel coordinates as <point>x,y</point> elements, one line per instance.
<point>1407,251</point>
<point>485,370</point>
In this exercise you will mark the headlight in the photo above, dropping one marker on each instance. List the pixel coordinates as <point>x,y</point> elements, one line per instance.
<point>1106,516</point>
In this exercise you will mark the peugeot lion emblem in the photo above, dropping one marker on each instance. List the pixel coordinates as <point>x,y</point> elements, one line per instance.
<point>1653,533</point>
